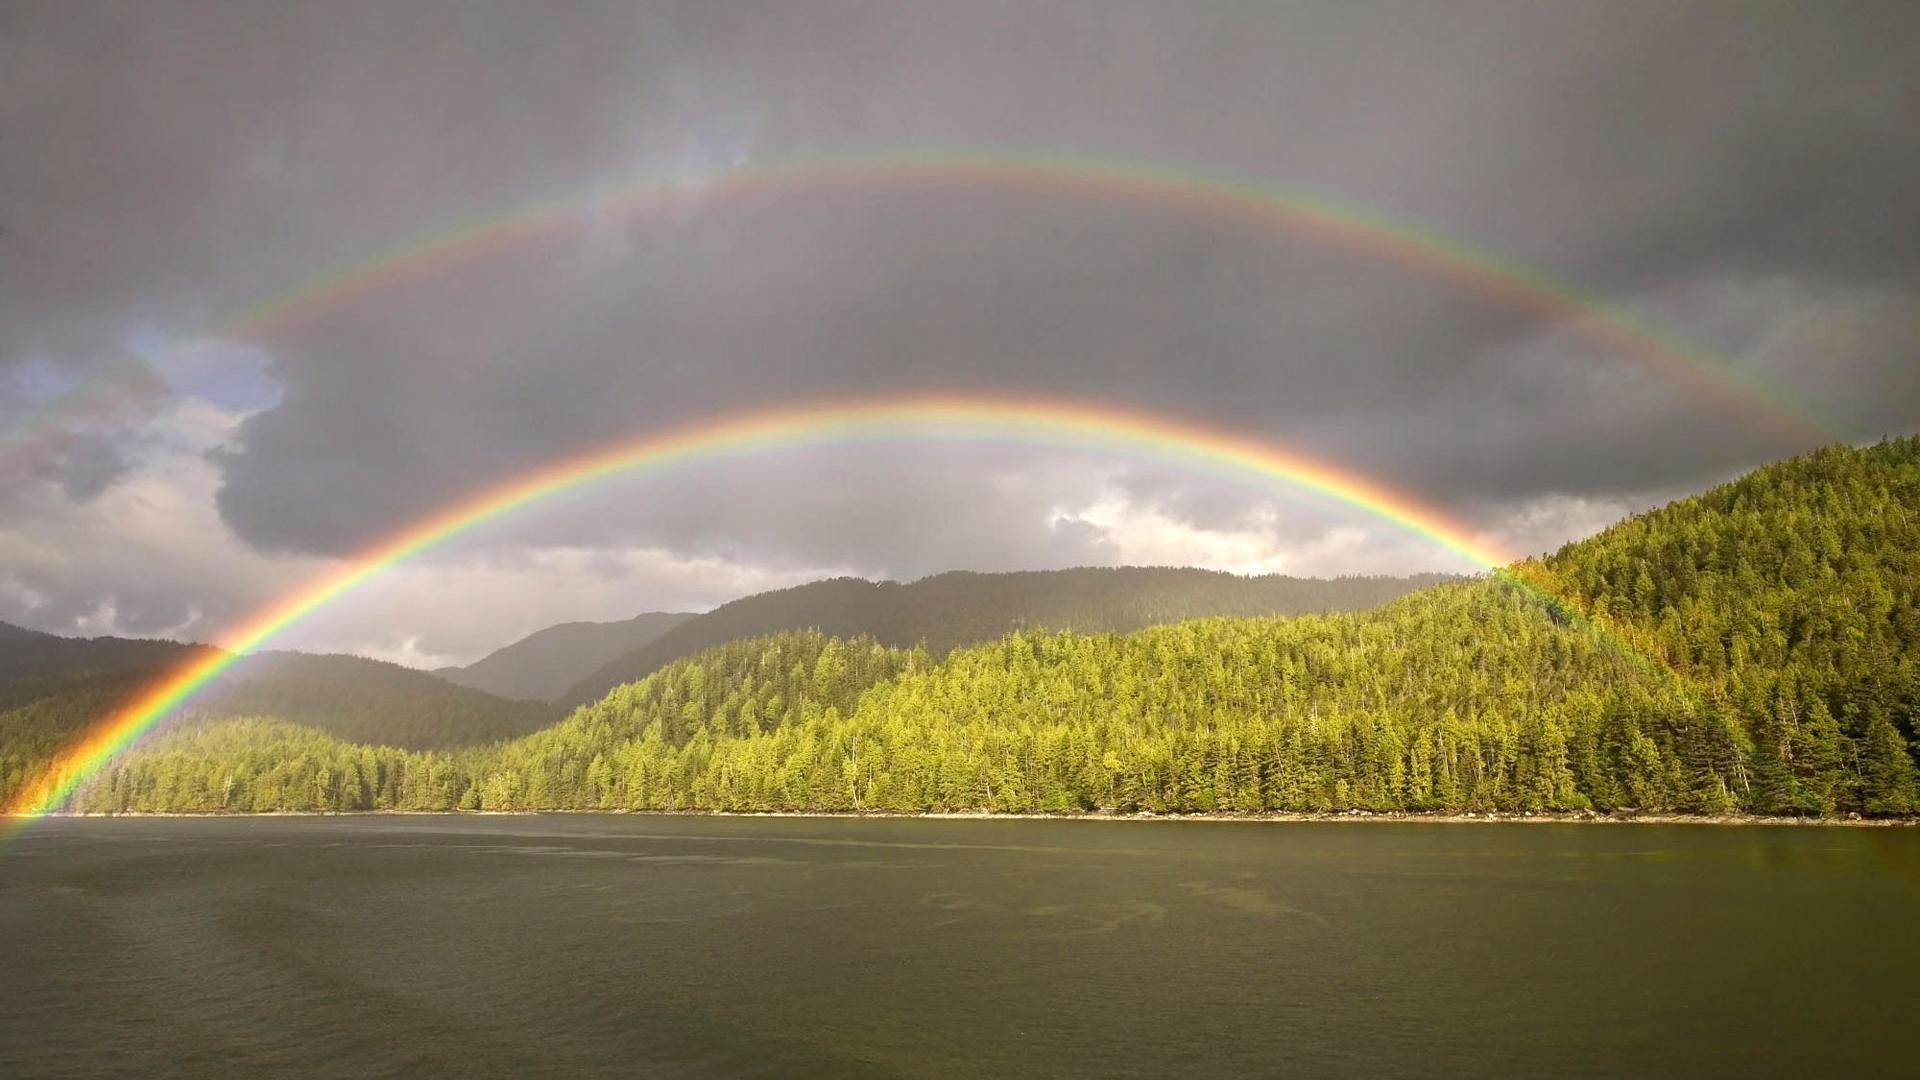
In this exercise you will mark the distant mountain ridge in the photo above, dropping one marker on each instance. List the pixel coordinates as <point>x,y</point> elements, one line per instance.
<point>34,654</point>
<point>962,607</point>
<point>71,682</point>
<point>513,691</point>
<point>368,701</point>
<point>545,664</point>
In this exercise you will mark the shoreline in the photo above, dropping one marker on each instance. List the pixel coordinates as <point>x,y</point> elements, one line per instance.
<point>1331,816</point>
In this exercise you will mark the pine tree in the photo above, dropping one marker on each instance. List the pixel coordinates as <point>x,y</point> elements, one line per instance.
<point>1888,784</point>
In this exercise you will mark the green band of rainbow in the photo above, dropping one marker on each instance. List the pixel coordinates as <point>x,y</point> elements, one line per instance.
<point>1051,423</point>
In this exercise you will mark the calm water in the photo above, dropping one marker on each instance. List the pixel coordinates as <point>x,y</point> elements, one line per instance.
<point>574,946</point>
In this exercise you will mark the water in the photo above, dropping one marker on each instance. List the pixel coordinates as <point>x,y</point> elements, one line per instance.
<point>573,946</point>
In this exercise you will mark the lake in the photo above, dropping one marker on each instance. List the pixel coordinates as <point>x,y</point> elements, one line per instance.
<point>622,946</point>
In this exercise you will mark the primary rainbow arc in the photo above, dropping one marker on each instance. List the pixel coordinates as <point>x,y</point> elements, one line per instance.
<point>1027,421</point>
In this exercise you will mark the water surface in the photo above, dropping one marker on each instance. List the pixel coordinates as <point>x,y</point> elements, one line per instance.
<point>579,946</point>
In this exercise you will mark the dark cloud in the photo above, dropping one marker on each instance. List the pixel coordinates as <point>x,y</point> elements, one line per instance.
<point>1738,177</point>
<point>85,468</point>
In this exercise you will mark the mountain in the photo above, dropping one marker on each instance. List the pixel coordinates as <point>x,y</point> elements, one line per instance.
<point>31,654</point>
<point>1791,598</point>
<point>1754,648</point>
<point>543,665</point>
<point>953,609</point>
<point>40,716</point>
<point>57,686</point>
<point>368,701</point>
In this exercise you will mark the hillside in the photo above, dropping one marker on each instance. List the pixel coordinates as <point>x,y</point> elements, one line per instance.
<point>1405,707</point>
<point>39,716</point>
<point>959,608</point>
<point>30,654</point>
<point>1791,596</point>
<point>1386,709</point>
<point>343,697</point>
<point>1752,648</point>
<point>368,701</point>
<point>545,664</point>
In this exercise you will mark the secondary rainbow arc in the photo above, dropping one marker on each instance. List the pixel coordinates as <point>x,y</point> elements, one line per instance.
<point>1045,422</point>
<point>1323,220</point>
<point>1221,197</point>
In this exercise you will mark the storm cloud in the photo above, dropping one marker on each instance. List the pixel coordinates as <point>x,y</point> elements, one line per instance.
<point>1738,179</point>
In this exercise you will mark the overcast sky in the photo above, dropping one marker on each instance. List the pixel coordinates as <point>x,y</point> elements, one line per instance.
<point>1741,177</point>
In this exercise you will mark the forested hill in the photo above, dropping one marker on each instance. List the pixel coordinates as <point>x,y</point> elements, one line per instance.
<point>345,697</point>
<point>30,654</point>
<point>1463,696</point>
<point>545,664</point>
<point>369,701</point>
<point>1772,666</point>
<point>1791,596</point>
<point>959,608</point>
<point>40,716</point>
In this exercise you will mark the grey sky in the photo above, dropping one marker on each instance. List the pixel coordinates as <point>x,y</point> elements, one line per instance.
<point>1740,176</point>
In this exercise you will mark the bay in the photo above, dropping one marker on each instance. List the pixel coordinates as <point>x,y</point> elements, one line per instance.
<point>686,946</point>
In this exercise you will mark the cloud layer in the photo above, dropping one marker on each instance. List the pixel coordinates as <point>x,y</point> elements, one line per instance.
<point>1738,178</point>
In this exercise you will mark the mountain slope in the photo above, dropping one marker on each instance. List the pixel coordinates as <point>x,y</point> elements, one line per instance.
<point>1772,630</point>
<point>543,665</point>
<point>368,701</point>
<point>40,716</point>
<point>954,609</point>
<point>344,697</point>
<point>31,654</point>
<point>1791,596</point>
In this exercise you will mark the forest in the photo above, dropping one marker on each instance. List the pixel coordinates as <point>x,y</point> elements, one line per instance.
<point>946,611</point>
<point>1752,649</point>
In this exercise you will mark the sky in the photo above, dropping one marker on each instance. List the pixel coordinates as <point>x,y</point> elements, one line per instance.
<point>1738,178</point>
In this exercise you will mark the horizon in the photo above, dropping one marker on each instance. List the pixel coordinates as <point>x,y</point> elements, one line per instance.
<point>469,661</point>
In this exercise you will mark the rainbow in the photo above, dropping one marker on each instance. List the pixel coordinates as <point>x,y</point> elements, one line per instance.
<point>1222,198</point>
<point>1060,424</point>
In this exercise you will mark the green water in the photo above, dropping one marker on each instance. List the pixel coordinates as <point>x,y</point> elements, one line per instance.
<point>574,946</point>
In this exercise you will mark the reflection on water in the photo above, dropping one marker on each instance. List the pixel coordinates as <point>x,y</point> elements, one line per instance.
<point>1251,901</point>
<point>571,946</point>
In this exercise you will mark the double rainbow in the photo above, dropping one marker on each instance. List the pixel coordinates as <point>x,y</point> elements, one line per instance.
<point>1038,422</point>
